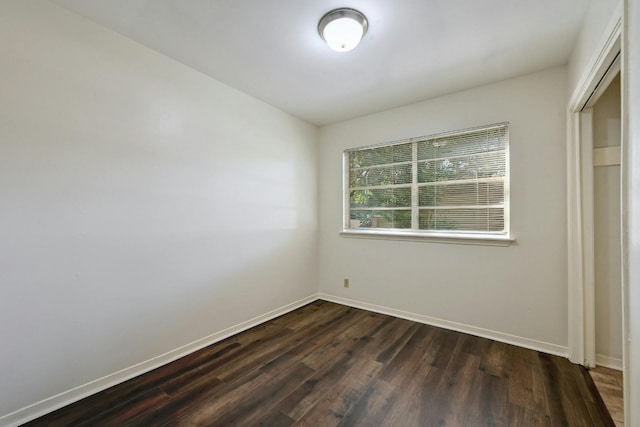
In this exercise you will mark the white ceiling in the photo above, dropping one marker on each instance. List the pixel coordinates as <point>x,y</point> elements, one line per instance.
<point>414,49</point>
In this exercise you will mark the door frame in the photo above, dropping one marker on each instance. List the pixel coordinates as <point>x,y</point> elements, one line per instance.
<point>580,224</point>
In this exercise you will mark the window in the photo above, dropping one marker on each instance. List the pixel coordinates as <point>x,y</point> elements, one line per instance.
<point>455,183</point>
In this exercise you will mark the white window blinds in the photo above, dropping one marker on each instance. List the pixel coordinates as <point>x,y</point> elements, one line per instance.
<point>454,182</point>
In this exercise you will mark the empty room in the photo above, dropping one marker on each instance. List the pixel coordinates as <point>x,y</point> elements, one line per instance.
<point>319,213</point>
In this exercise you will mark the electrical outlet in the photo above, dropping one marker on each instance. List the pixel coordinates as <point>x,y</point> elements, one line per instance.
<point>346,283</point>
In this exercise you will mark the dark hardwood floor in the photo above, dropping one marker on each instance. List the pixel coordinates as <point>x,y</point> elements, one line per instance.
<point>326,364</point>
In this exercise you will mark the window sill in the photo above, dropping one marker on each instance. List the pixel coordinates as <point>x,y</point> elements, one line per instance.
<point>459,239</point>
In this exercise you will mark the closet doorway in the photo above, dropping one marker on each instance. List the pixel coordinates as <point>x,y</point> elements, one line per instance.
<point>606,121</point>
<point>604,113</point>
<point>595,168</point>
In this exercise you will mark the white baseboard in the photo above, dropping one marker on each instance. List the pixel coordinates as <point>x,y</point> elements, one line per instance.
<point>608,362</point>
<point>447,324</point>
<point>65,398</point>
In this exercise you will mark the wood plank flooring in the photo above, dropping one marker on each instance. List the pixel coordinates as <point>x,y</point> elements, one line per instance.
<point>609,384</point>
<point>330,365</point>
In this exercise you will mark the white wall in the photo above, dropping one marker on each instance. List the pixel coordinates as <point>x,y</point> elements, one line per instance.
<point>607,243</point>
<point>600,16</point>
<point>143,204</point>
<point>518,290</point>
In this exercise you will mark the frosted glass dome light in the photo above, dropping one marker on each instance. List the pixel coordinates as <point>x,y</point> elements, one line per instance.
<point>343,29</point>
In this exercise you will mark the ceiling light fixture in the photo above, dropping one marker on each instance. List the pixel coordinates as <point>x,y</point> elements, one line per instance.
<point>343,28</point>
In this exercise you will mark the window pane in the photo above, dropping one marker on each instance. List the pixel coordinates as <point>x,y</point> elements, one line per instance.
<point>462,219</point>
<point>385,175</point>
<point>464,144</point>
<point>381,219</point>
<point>462,194</point>
<point>380,155</point>
<point>484,165</point>
<point>381,198</point>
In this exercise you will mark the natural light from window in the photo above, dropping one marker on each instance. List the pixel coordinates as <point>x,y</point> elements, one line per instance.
<point>453,184</point>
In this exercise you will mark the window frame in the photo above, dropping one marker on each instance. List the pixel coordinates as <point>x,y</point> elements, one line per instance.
<point>493,238</point>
